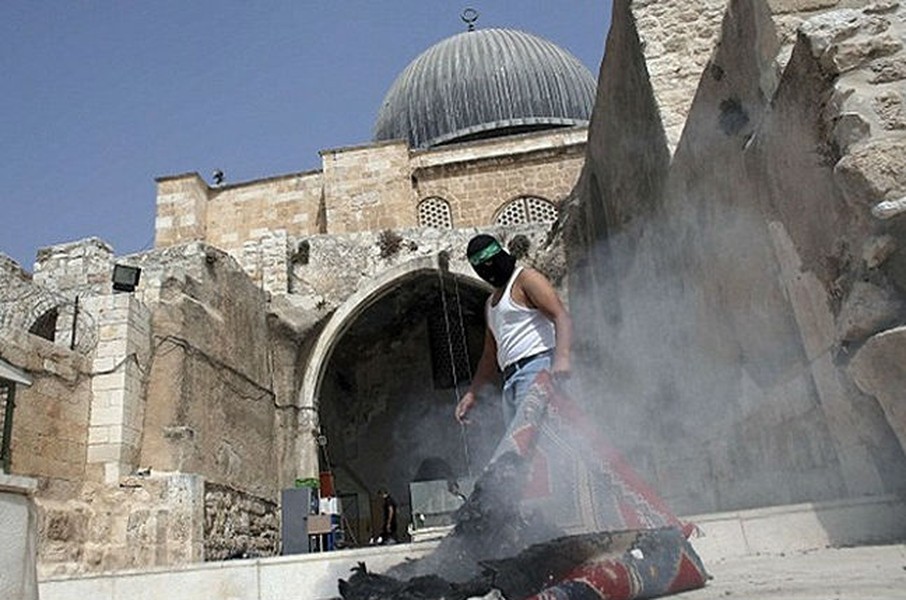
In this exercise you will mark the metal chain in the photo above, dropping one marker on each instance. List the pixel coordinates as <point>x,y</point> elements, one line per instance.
<point>442,265</point>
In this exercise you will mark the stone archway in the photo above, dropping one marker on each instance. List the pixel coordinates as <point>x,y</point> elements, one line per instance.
<point>379,386</point>
<point>355,305</point>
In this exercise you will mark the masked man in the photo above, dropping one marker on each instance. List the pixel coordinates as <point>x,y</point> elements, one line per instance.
<point>528,328</point>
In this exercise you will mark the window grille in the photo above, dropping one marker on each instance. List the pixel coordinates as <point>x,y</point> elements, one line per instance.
<point>435,212</point>
<point>5,444</point>
<point>526,209</point>
<point>4,393</point>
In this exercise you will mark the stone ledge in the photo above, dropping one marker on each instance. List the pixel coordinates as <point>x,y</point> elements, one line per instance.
<point>801,527</point>
<point>16,484</point>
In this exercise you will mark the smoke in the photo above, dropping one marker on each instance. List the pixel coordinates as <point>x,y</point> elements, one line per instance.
<point>691,356</point>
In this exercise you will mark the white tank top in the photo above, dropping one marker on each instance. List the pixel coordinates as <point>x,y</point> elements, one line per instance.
<point>518,330</point>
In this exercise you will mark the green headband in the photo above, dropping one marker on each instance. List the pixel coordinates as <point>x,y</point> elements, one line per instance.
<point>485,253</point>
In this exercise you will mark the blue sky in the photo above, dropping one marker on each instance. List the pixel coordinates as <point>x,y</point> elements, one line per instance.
<point>100,97</point>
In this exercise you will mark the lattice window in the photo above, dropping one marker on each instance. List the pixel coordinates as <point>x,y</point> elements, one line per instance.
<point>4,443</point>
<point>435,212</point>
<point>526,209</point>
<point>4,393</point>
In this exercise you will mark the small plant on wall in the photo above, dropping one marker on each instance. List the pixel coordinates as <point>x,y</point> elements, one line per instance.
<point>389,242</point>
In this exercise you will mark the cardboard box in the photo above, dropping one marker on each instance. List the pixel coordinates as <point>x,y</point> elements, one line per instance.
<point>319,524</point>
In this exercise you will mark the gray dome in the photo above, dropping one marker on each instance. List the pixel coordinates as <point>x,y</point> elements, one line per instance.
<point>485,83</point>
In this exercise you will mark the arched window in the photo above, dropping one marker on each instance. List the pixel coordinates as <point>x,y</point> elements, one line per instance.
<point>45,326</point>
<point>526,209</point>
<point>435,212</point>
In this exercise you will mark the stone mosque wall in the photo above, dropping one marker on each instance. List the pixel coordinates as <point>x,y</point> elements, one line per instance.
<point>368,188</point>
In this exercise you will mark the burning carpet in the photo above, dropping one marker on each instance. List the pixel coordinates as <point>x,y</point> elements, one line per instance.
<point>518,536</point>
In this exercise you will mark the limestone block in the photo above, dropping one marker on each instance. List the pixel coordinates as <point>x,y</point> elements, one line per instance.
<point>865,311</point>
<point>98,435</point>
<point>873,172</point>
<point>850,129</point>
<point>879,369</point>
<point>109,381</point>
<point>787,6</point>
<point>889,108</point>
<point>845,39</point>
<point>104,453</point>
<point>887,69</point>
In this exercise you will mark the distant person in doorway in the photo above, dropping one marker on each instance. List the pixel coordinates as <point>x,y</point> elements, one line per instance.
<point>528,328</point>
<point>388,519</point>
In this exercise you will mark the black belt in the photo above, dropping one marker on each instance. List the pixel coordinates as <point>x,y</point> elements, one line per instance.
<point>511,368</point>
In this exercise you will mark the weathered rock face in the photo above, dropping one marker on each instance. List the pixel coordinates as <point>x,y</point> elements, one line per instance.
<point>879,369</point>
<point>678,38</point>
<point>752,264</point>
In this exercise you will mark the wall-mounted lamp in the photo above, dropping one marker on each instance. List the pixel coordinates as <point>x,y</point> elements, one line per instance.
<point>125,278</point>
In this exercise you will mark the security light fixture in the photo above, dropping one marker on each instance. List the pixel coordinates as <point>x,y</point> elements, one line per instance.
<point>125,278</point>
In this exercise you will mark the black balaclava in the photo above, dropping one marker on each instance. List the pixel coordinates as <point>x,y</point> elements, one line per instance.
<point>490,261</point>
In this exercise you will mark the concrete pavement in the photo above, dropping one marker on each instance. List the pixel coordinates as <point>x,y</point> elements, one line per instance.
<point>863,573</point>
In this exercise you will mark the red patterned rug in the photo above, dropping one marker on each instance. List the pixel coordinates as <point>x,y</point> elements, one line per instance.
<point>578,481</point>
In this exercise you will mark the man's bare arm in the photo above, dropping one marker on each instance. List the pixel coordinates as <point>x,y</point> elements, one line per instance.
<point>542,295</point>
<point>484,375</point>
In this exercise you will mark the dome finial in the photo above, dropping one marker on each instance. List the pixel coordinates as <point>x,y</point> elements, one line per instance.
<point>469,16</point>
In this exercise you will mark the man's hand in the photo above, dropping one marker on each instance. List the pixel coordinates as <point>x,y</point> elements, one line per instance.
<point>561,370</point>
<point>464,406</point>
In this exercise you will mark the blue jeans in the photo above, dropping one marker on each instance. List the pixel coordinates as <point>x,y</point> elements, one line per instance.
<point>518,384</point>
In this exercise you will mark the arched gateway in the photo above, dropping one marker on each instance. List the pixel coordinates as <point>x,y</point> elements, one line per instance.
<point>383,378</point>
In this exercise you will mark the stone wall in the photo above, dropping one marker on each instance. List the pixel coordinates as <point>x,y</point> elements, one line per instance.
<point>144,521</point>
<point>179,376</point>
<point>248,211</point>
<point>679,38</point>
<point>50,421</point>
<point>365,188</point>
<point>731,284</point>
<point>238,525</point>
<point>81,267</point>
<point>121,360</point>
<point>479,189</point>
<point>62,274</point>
<point>209,405</point>
<point>332,267</point>
<point>182,209</point>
